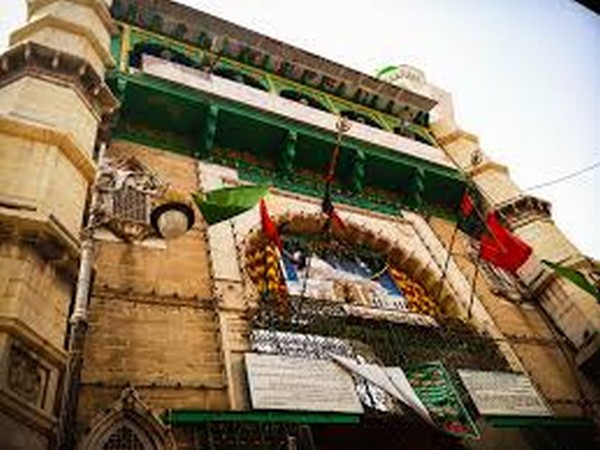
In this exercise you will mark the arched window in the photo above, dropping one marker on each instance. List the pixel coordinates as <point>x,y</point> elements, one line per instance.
<point>328,269</point>
<point>128,425</point>
<point>125,438</point>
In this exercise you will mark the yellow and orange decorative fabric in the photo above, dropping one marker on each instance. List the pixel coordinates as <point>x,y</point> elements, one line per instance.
<point>416,297</point>
<point>265,272</point>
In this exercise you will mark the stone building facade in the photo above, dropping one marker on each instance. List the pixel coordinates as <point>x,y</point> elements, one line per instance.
<point>94,93</point>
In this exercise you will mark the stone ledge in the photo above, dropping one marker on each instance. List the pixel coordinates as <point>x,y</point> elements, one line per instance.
<point>41,61</point>
<point>52,240</point>
<point>195,302</point>
<point>15,327</point>
<point>51,21</point>
<point>489,165</point>
<point>99,7</point>
<point>158,385</point>
<point>456,135</point>
<point>524,209</point>
<point>27,414</point>
<point>62,140</point>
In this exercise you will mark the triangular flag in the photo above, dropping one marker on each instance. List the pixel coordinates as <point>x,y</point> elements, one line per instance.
<point>502,248</point>
<point>268,227</point>
<point>466,205</point>
<point>575,277</point>
<point>337,221</point>
<point>223,204</point>
<point>469,221</point>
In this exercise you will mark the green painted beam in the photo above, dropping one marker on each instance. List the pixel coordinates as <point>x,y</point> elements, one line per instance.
<point>193,417</point>
<point>288,154</point>
<point>200,99</point>
<point>357,180</point>
<point>537,421</point>
<point>282,141</point>
<point>210,130</point>
<point>417,187</point>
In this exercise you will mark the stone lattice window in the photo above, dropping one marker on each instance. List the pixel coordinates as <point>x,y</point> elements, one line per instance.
<point>124,438</point>
<point>130,204</point>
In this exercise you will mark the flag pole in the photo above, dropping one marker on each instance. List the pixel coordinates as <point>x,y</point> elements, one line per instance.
<point>342,126</point>
<point>470,183</point>
<point>447,261</point>
<point>473,286</point>
<point>545,316</point>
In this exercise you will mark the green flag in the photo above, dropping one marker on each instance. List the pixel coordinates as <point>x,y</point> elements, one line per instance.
<point>574,277</point>
<point>223,204</point>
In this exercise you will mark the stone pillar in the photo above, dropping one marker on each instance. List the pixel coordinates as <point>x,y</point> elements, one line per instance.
<point>52,100</point>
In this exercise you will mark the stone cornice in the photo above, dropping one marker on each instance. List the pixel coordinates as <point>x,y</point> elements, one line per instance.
<point>525,209</point>
<point>488,165</point>
<point>41,61</point>
<point>99,7</point>
<point>24,412</point>
<point>24,223</point>
<point>50,21</point>
<point>456,135</point>
<point>63,141</point>
<point>14,327</point>
<point>190,25</point>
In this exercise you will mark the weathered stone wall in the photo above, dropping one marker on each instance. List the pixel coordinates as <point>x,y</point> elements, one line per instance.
<point>34,298</point>
<point>541,350</point>
<point>153,322</point>
<point>48,127</point>
<point>32,291</point>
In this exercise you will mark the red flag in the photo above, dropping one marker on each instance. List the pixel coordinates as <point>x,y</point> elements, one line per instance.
<point>268,227</point>
<point>466,205</point>
<point>502,248</point>
<point>337,220</point>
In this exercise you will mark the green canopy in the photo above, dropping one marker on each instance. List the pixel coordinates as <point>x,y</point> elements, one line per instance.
<point>223,204</point>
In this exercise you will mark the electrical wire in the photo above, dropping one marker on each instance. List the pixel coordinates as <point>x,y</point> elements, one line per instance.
<point>563,178</point>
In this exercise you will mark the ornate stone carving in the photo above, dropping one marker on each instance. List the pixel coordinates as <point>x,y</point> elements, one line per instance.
<point>126,189</point>
<point>25,375</point>
<point>524,209</point>
<point>128,422</point>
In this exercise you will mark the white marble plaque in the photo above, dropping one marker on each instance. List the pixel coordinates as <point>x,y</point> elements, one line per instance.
<point>503,393</point>
<point>302,384</point>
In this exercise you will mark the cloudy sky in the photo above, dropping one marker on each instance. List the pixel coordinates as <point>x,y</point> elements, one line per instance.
<point>524,75</point>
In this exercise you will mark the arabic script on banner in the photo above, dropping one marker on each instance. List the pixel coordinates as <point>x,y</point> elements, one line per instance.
<point>435,389</point>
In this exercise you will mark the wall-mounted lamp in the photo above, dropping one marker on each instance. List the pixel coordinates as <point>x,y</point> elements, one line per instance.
<point>172,219</point>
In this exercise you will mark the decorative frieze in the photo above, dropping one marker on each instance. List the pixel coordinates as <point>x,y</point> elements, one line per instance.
<point>524,209</point>
<point>26,377</point>
<point>254,50</point>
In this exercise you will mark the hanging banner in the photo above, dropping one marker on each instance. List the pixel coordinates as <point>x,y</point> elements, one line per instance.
<point>391,379</point>
<point>433,386</point>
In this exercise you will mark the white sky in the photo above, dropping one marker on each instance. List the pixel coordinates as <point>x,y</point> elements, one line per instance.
<point>524,75</point>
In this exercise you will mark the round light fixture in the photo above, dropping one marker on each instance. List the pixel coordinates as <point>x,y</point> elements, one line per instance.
<point>171,220</point>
